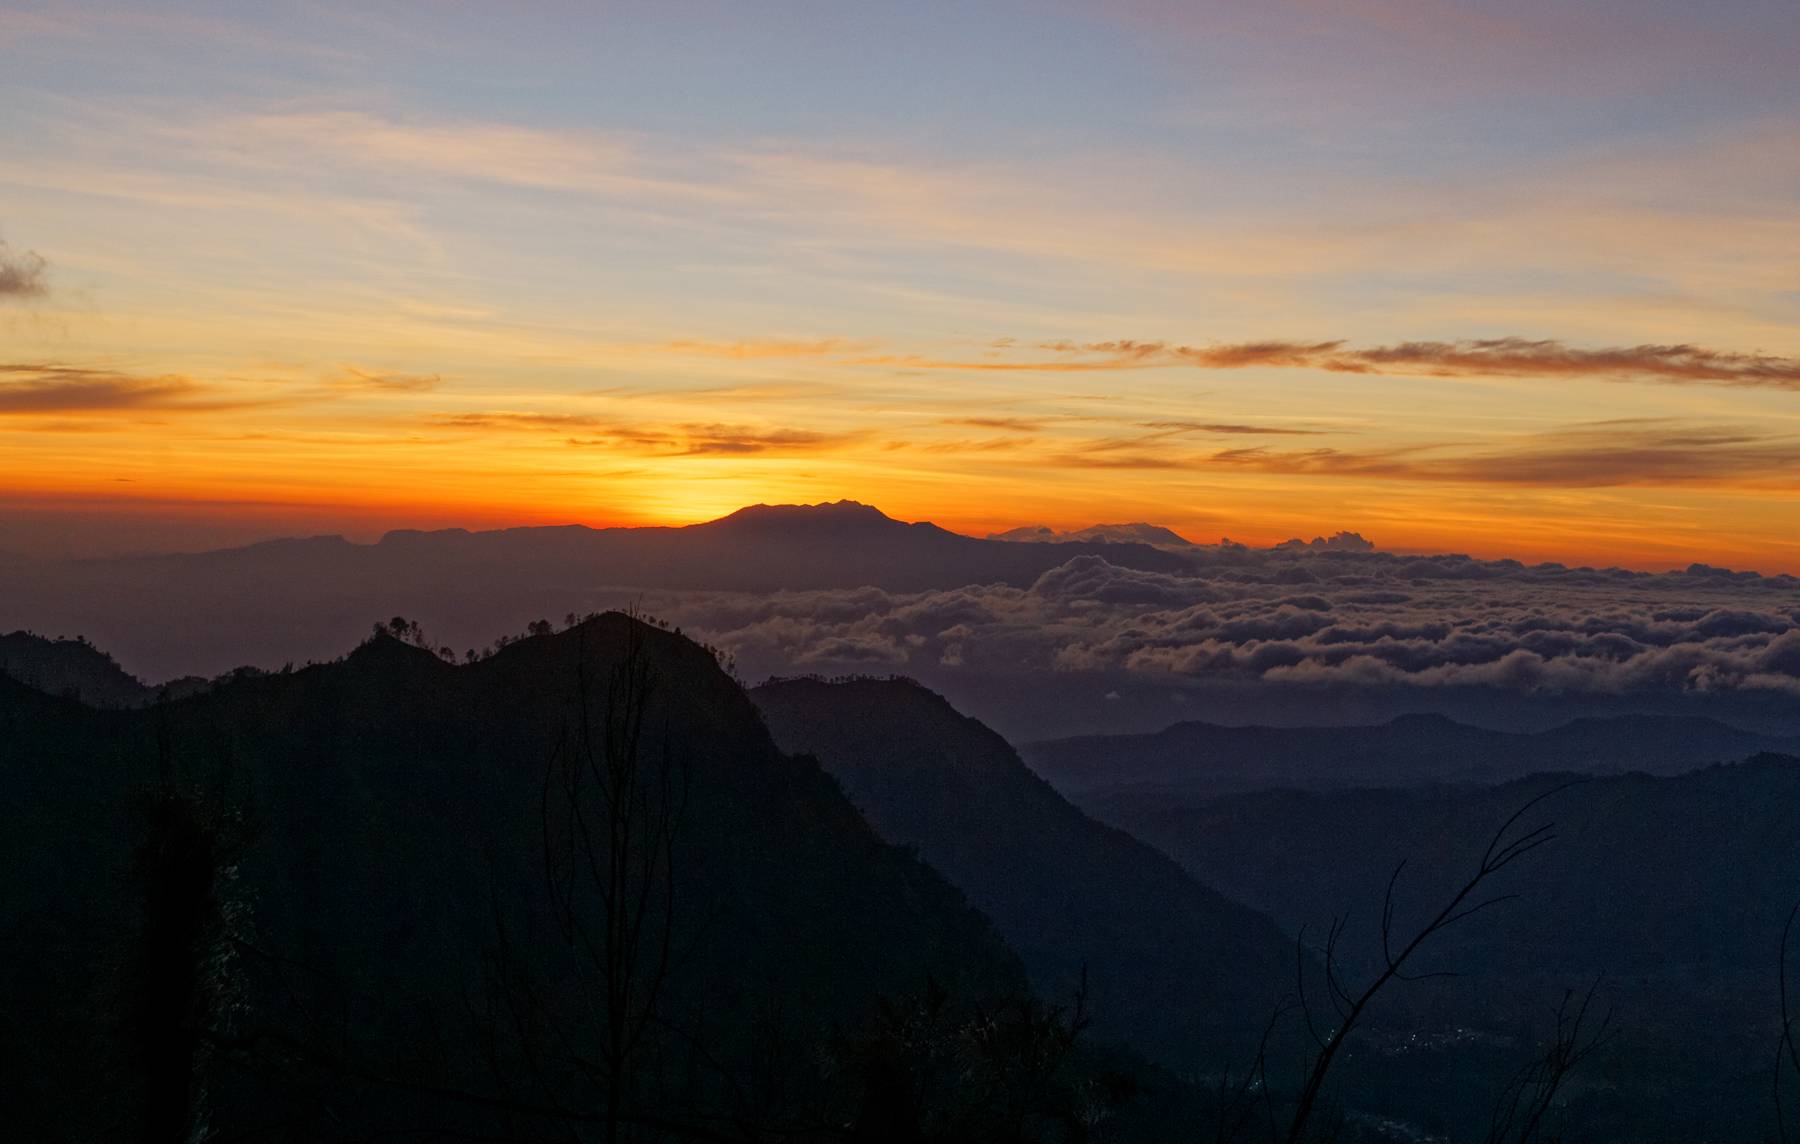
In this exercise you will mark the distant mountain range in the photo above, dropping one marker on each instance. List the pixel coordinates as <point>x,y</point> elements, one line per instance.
<point>1194,762</point>
<point>304,599</point>
<point>1185,763</point>
<point>1139,533</point>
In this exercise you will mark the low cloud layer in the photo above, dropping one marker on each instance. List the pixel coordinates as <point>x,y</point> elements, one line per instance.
<point>1296,618</point>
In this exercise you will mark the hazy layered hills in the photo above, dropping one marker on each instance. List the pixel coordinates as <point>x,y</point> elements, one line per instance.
<point>1190,762</point>
<point>474,584</point>
<point>1173,966</point>
<point>1668,889</point>
<point>1683,879</point>
<point>1671,892</point>
<point>396,816</point>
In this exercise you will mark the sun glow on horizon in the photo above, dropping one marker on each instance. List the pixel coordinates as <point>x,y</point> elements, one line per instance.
<point>1213,278</point>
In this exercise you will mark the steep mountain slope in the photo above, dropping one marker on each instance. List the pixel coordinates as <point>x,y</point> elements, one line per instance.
<point>207,613</point>
<point>1171,964</point>
<point>396,817</point>
<point>1190,761</point>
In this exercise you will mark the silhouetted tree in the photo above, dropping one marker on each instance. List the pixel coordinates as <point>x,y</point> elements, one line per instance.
<point>927,1069</point>
<point>611,803</point>
<point>1348,1005</point>
<point>183,983</point>
<point>1787,1053</point>
<point>1522,1111</point>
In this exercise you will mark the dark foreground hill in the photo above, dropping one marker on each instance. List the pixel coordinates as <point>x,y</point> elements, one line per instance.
<point>1172,965</point>
<point>376,899</point>
<point>1198,761</point>
<point>209,612</point>
<point>72,668</point>
<point>380,895</point>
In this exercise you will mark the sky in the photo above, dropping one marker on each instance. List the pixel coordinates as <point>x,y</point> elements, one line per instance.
<point>1518,280</point>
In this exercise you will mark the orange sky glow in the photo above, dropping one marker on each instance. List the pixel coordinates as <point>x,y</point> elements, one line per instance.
<point>1210,278</point>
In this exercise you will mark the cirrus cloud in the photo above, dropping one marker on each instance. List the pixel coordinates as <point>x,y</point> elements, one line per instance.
<point>682,439</point>
<point>1668,364</point>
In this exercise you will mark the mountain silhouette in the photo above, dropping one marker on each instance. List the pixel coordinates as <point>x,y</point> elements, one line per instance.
<point>1137,533</point>
<point>1198,761</point>
<point>304,599</point>
<point>325,902</point>
<point>1174,966</point>
<point>394,815</point>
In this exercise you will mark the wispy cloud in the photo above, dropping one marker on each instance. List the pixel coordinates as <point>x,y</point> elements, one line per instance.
<point>1151,450</point>
<point>1010,424</point>
<point>1606,454</point>
<point>1107,459</point>
<point>1681,363</point>
<point>38,388</point>
<point>504,419</point>
<point>1676,364</point>
<point>1001,365</point>
<point>863,205</point>
<point>1519,357</point>
<point>714,440</point>
<point>770,348</point>
<point>683,439</point>
<point>989,445</point>
<point>504,153</point>
<point>1227,428</point>
<point>55,387</point>
<point>354,378</point>
<point>23,273</point>
<point>1128,353</point>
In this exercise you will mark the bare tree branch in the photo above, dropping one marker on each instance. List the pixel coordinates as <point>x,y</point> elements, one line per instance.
<point>1503,849</point>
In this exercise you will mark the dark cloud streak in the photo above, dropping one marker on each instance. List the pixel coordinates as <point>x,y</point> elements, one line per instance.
<point>1606,455</point>
<point>1673,364</point>
<point>1228,429</point>
<point>23,274</point>
<point>36,388</point>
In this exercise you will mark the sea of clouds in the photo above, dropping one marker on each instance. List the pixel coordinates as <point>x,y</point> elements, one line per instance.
<point>1294,616</point>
